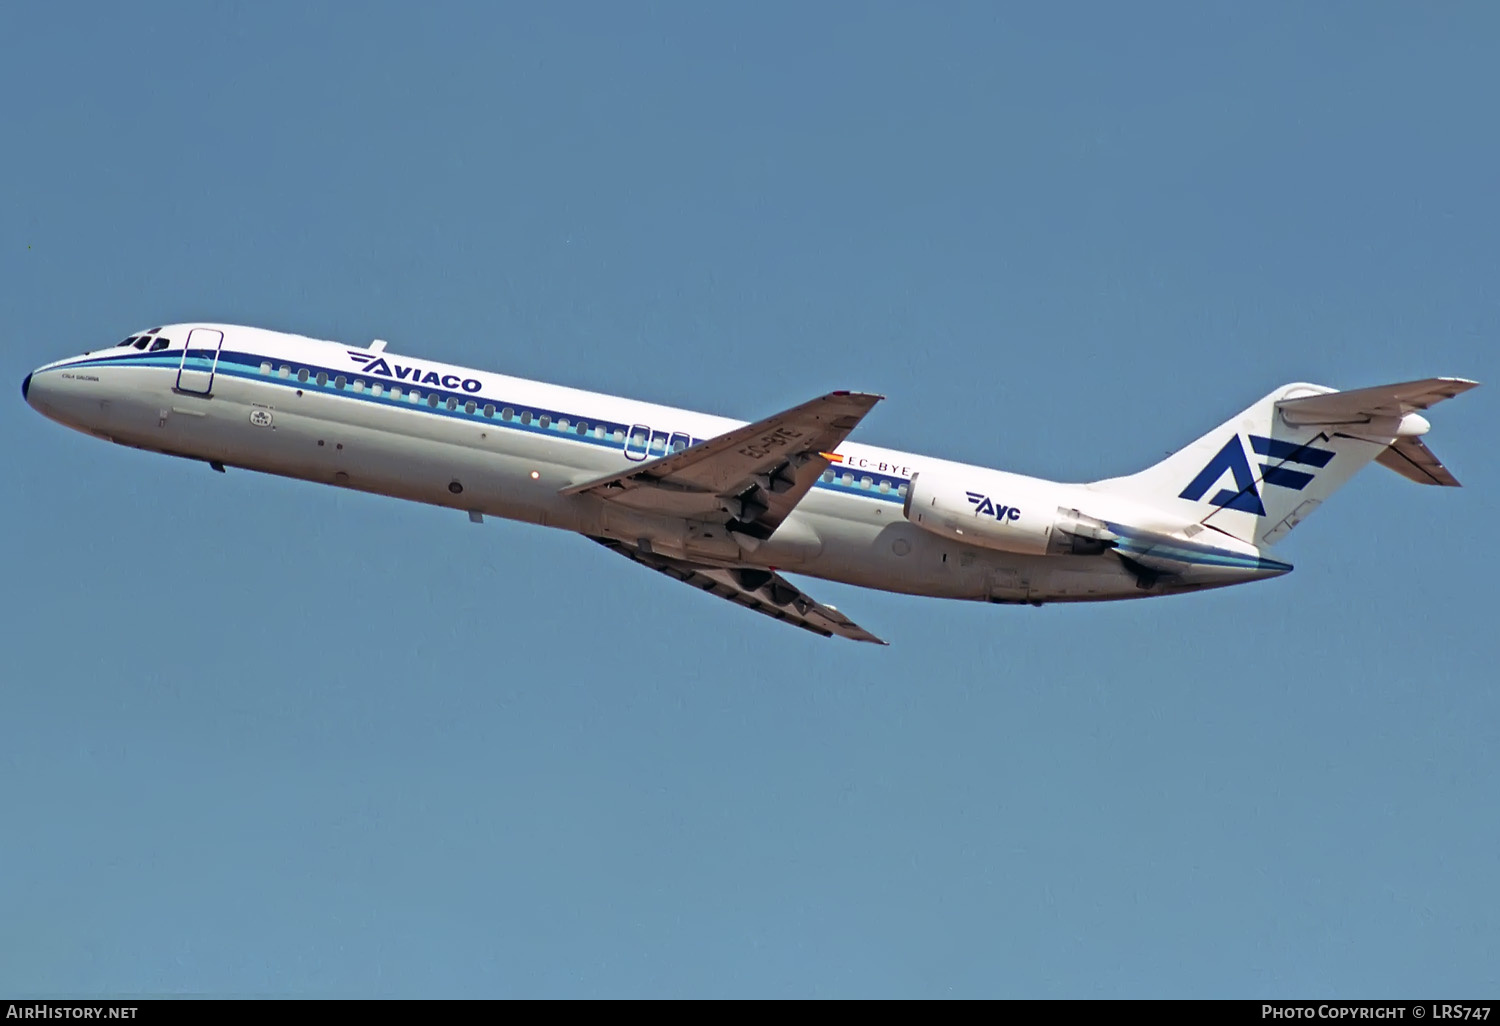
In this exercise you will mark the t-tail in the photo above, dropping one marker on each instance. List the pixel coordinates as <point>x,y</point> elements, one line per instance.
<point>1261,473</point>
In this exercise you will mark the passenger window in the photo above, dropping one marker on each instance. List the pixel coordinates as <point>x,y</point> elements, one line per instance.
<point>340,381</point>
<point>162,343</point>
<point>322,379</point>
<point>901,491</point>
<point>619,434</point>
<point>452,403</point>
<point>885,486</point>
<point>469,407</point>
<point>848,479</point>
<point>489,409</point>
<point>583,429</point>
<point>432,401</point>
<point>265,368</point>
<point>828,476</point>
<point>376,388</point>
<point>598,430</point>
<point>284,371</point>
<point>414,395</point>
<point>544,421</point>
<point>526,417</point>
<point>865,483</point>
<point>395,391</point>
<point>302,375</point>
<point>359,384</point>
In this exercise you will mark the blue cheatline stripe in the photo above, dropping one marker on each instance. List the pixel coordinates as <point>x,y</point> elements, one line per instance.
<point>246,366</point>
<point>1278,450</point>
<point>1190,552</point>
<point>1282,477</point>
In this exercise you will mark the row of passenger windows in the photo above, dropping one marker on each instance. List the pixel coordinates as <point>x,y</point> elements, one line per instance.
<point>656,442</point>
<point>885,485</point>
<point>415,396</point>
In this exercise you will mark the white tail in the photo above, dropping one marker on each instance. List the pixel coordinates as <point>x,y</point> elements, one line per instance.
<point>1259,474</point>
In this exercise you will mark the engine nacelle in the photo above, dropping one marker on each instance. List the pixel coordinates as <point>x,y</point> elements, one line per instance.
<point>1016,514</point>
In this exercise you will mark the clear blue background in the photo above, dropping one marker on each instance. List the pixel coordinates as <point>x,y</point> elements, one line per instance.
<point>265,737</point>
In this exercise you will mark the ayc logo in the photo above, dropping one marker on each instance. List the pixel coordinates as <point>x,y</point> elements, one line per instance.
<point>1232,460</point>
<point>984,507</point>
<point>377,365</point>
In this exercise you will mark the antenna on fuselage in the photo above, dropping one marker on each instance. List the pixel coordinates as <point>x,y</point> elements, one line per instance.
<point>377,346</point>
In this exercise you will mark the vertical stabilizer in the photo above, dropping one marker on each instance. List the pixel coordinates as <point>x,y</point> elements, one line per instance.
<point>1259,474</point>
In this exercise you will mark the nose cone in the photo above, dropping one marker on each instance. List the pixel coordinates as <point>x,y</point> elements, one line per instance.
<point>26,389</point>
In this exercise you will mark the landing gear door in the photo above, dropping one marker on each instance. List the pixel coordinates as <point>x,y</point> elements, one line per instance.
<point>199,361</point>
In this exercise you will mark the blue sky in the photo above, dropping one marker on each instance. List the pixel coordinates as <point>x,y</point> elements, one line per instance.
<point>265,737</point>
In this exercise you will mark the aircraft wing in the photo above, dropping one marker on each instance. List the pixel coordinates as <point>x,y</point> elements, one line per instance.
<point>755,474</point>
<point>761,590</point>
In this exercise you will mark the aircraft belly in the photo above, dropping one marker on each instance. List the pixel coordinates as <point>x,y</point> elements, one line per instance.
<point>867,548</point>
<point>890,554</point>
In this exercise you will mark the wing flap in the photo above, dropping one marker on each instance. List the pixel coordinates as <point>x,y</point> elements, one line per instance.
<point>764,591</point>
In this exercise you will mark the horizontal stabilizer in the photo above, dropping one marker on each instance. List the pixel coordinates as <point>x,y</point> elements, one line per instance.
<point>1411,458</point>
<point>1361,405</point>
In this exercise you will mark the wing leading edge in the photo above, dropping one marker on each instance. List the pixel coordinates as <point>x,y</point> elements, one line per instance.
<point>761,590</point>
<point>750,478</point>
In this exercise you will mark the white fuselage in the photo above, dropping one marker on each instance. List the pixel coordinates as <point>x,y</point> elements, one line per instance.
<point>484,443</point>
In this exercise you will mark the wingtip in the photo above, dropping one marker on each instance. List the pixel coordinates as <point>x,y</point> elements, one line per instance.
<point>1458,386</point>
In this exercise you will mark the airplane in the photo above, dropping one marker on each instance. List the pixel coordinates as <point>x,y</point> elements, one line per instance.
<point>730,507</point>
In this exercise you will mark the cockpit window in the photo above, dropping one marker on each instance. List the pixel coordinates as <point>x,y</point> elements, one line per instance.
<point>153,331</point>
<point>159,345</point>
<point>129,341</point>
<point>140,343</point>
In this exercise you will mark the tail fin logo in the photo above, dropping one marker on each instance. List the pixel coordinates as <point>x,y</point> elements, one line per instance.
<point>1231,459</point>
